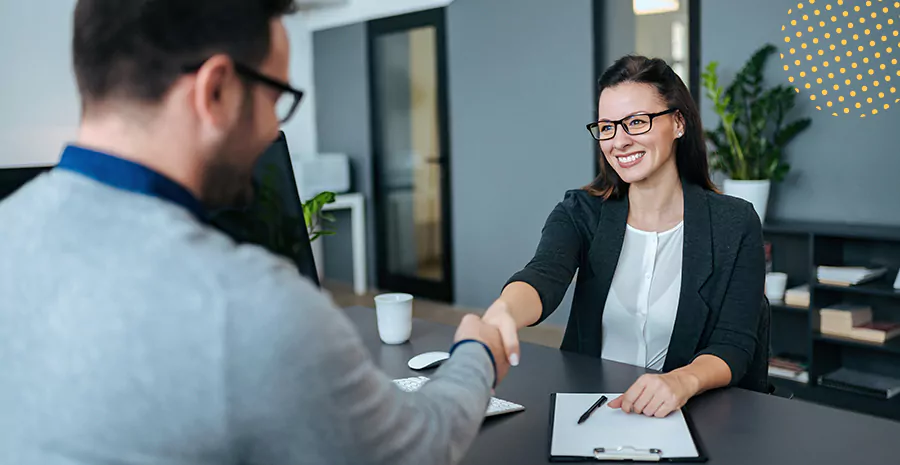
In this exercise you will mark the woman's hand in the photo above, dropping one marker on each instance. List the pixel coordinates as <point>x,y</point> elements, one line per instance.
<point>498,315</point>
<point>658,395</point>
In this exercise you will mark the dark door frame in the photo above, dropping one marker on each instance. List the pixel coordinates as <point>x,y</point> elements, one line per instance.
<point>436,290</point>
<point>694,63</point>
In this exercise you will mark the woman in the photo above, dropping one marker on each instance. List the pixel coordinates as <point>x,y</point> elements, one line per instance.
<point>670,272</point>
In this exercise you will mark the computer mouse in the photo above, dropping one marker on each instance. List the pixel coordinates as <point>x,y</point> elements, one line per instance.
<point>427,360</point>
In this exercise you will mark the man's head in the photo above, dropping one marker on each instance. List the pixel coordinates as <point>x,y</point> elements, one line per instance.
<point>205,75</point>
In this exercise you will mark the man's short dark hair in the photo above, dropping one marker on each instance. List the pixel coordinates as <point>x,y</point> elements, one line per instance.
<point>136,49</point>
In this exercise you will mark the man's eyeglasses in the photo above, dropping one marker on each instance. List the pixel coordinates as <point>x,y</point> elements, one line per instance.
<point>288,100</point>
<point>633,125</point>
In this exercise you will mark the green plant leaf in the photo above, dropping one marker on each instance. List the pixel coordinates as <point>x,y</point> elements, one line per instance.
<point>751,136</point>
<point>313,214</point>
<point>781,171</point>
<point>319,234</point>
<point>787,134</point>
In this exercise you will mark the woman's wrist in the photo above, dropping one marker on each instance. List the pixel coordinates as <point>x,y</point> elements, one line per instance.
<point>704,373</point>
<point>691,382</point>
<point>498,308</point>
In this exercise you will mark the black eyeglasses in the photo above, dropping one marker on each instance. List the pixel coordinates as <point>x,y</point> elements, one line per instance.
<point>633,125</point>
<point>288,100</point>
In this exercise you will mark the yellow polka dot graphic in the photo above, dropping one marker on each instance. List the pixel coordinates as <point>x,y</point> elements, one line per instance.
<point>856,34</point>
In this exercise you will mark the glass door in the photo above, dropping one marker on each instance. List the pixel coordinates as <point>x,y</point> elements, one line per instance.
<point>411,152</point>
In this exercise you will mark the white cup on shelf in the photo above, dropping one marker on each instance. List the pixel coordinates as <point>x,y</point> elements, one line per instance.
<point>776,284</point>
<point>393,312</point>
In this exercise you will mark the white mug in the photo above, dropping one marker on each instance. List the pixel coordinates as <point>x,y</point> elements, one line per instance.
<point>775,286</point>
<point>394,315</point>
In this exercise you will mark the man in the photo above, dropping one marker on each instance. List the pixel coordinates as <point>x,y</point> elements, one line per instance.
<point>131,332</point>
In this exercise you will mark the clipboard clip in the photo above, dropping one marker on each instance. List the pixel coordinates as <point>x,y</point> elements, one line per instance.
<point>628,453</point>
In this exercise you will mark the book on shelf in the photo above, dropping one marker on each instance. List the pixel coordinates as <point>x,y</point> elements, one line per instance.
<point>786,368</point>
<point>876,331</point>
<point>841,318</point>
<point>855,322</point>
<point>860,382</point>
<point>848,275</point>
<point>797,296</point>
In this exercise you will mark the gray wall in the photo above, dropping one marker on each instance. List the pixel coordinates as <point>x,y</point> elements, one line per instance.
<point>521,91</point>
<point>342,117</point>
<point>843,168</point>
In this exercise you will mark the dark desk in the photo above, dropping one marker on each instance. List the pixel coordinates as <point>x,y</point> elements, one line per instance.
<point>734,426</point>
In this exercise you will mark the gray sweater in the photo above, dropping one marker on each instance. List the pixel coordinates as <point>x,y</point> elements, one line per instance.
<point>130,333</point>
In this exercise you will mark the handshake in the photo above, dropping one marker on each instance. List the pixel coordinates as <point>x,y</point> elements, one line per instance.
<point>498,332</point>
<point>652,394</point>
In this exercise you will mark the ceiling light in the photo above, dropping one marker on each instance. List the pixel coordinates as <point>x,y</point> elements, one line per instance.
<point>649,7</point>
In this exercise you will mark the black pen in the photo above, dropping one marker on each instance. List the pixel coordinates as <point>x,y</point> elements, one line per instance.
<point>587,414</point>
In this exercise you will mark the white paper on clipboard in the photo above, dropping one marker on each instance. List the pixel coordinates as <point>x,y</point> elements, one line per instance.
<point>611,429</point>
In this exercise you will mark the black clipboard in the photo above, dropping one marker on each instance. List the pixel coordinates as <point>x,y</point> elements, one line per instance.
<point>625,453</point>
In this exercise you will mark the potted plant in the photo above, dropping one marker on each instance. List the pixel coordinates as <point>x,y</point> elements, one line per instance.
<point>314,216</point>
<point>748,144</point>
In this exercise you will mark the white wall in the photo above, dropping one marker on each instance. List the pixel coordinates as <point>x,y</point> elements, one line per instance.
<point>301,129</point>
<point>39,104</point>
<point>356,11</point>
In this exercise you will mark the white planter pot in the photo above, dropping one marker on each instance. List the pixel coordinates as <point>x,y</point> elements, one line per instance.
<point>755,192</point>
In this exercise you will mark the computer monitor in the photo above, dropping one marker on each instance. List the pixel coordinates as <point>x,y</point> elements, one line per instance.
<point>274,220</point>
<point>12,178</point>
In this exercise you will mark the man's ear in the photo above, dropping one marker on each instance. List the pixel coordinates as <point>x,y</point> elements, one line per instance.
<point>217,92</point>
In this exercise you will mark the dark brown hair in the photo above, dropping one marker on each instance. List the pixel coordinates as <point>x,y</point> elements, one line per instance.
<point>136,49</point>
<point>690,149</point>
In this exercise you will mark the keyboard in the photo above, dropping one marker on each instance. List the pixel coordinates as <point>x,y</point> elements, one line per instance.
<point>496,407</point>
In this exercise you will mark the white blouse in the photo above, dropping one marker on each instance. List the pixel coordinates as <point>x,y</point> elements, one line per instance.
<point>643,298</point>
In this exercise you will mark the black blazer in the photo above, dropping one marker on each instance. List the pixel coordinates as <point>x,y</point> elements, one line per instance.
<point>722,309</point>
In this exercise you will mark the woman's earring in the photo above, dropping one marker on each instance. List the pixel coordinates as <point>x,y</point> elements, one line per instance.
<point>680,133</point>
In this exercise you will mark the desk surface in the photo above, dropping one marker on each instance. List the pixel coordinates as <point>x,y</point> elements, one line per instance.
<point>735,427</point>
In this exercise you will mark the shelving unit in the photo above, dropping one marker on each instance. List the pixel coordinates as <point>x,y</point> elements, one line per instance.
<point>797,249</point>
<point>776,307</point>
<point>891,346</point>
<point>879,288</point>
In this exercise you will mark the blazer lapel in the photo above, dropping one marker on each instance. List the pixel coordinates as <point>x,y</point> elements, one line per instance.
<point>696,269</point>
<point>603,257</point>
<point>608,239</point>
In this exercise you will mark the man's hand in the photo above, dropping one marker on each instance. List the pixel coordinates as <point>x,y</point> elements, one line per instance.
<point>472,327</point>
<point>657,395</point>
<point>498,316</point>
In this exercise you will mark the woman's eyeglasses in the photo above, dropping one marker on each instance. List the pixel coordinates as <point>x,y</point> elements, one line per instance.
<point>633,125</point>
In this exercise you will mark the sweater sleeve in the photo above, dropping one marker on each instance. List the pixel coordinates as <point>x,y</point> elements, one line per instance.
<point>553,266</point>
<point>302,388</point>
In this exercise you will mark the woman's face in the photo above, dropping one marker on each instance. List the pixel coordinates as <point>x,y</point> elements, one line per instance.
<point>638,157</point>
